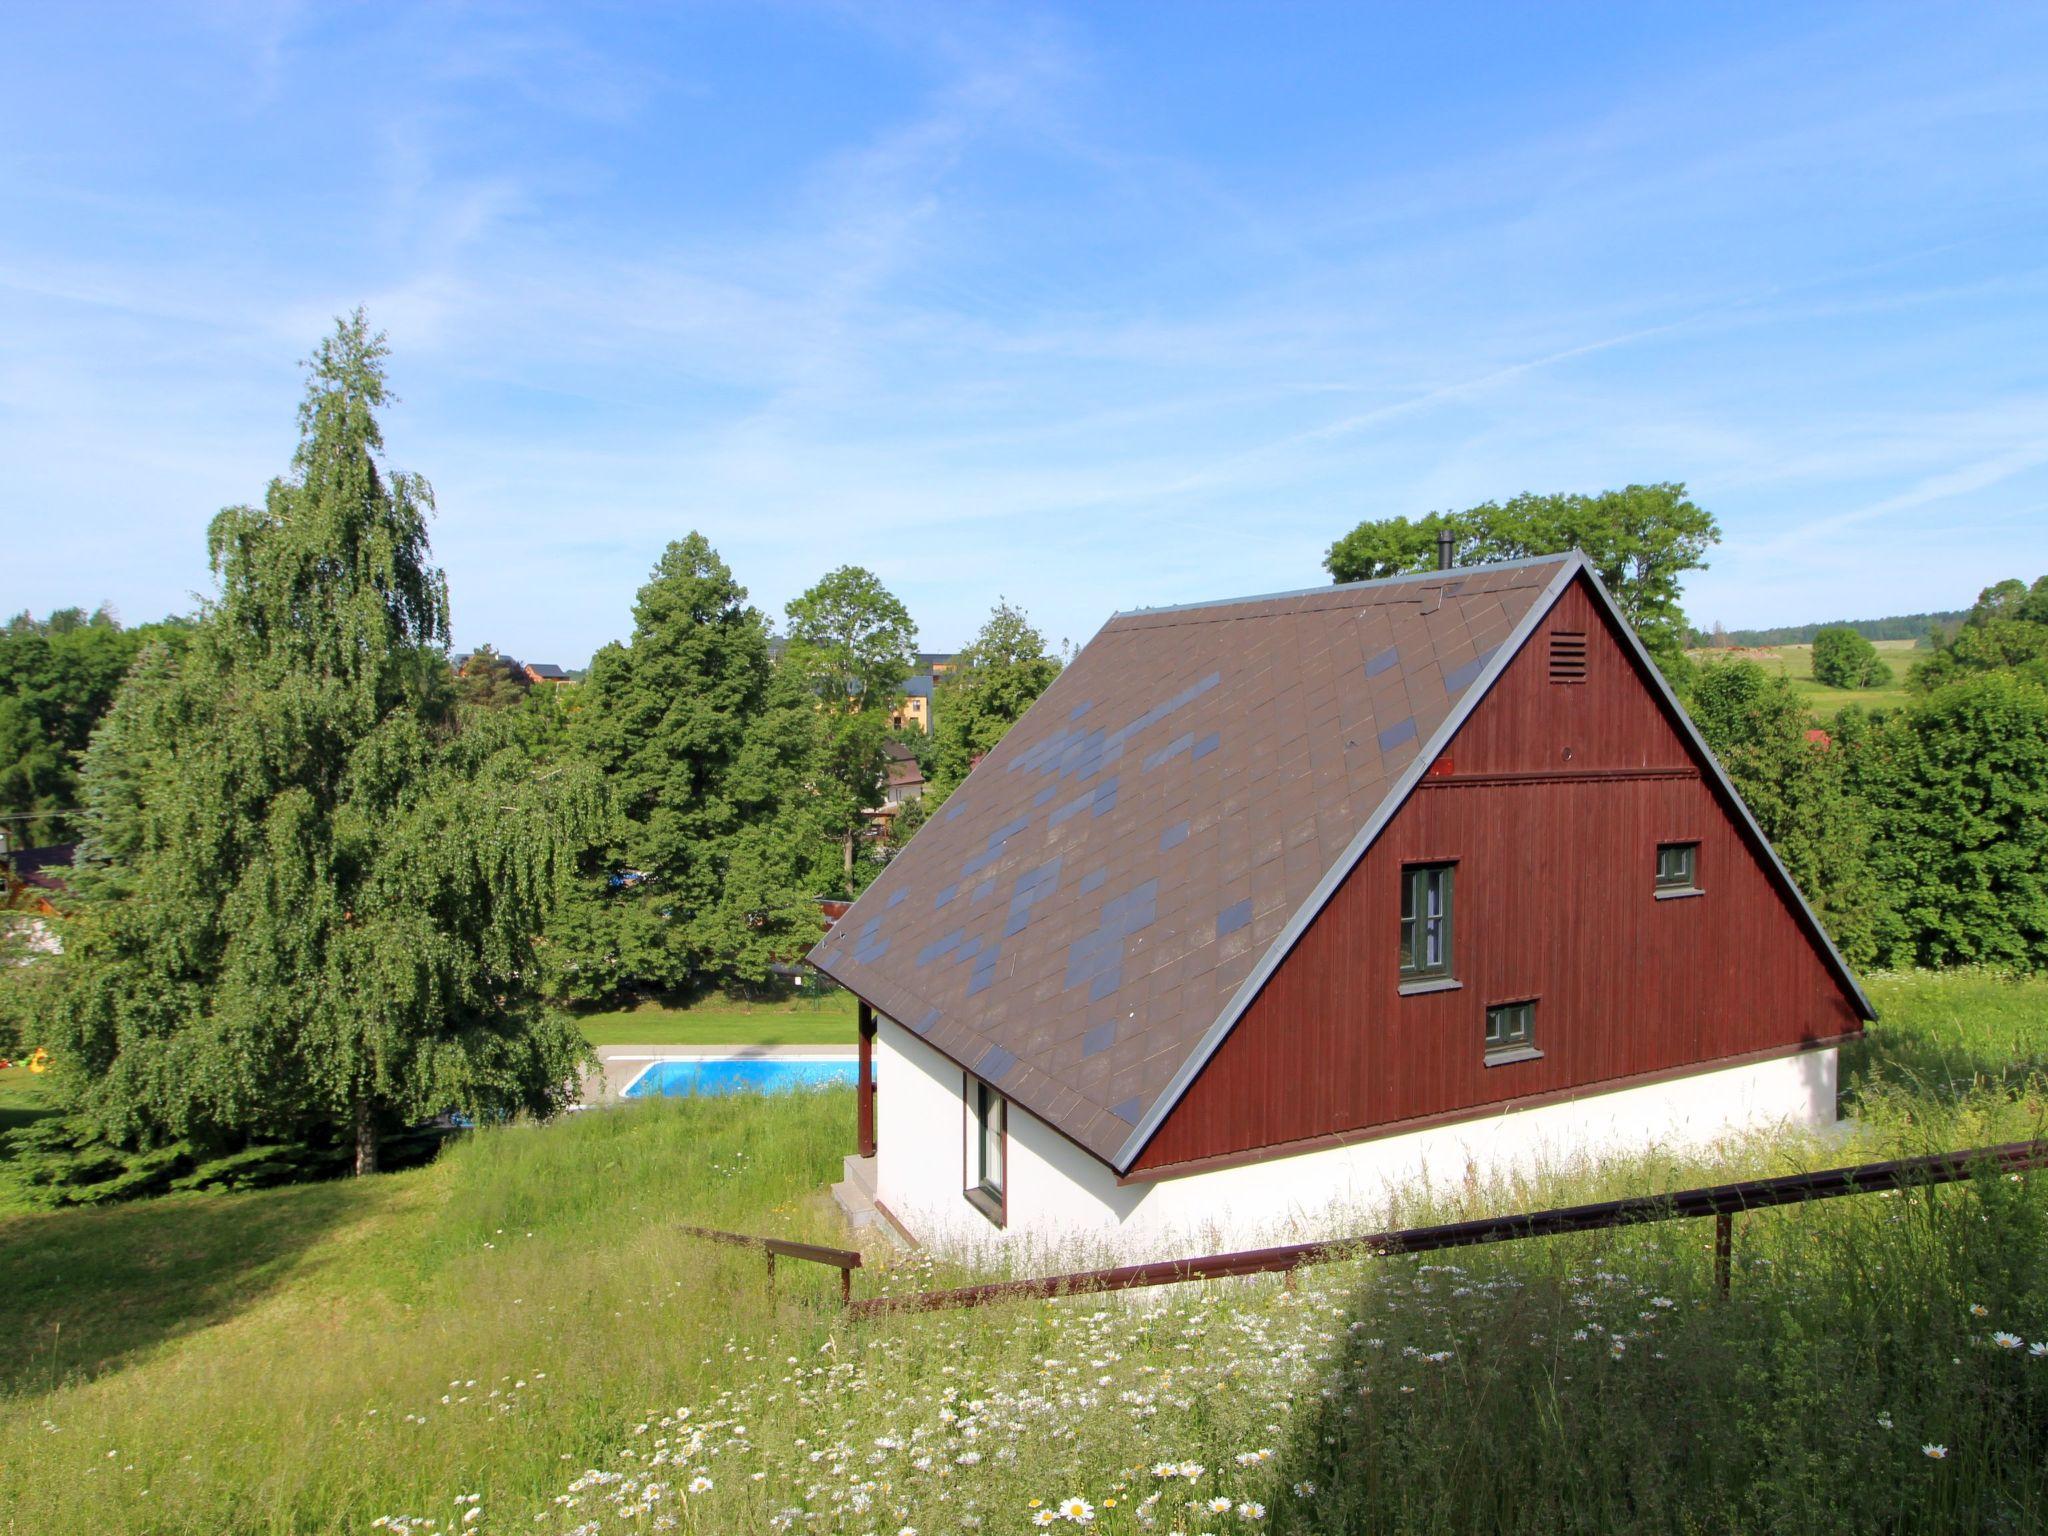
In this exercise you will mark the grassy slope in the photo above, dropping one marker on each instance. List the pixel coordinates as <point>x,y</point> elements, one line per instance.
<point>1796,663</point>
<point>312,1359</point>
<point>827,1020</point>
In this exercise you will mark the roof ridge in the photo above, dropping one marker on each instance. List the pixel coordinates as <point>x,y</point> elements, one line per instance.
<point>1425,578</point>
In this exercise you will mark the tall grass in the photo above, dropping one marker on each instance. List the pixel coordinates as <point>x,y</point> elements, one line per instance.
<point>522,1324</point>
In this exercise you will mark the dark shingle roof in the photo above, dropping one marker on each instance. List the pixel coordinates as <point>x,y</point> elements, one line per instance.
<point>1094,900</point>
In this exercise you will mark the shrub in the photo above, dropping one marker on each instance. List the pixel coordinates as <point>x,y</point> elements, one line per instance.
<point>1958,785</point>
<point>1844,659</point>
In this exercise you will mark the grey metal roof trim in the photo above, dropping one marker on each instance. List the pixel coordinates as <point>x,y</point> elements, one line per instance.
<point>1763,843</point>
<point>1395,798</point>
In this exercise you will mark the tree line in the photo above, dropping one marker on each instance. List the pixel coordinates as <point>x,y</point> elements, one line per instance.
<point>329,887</point>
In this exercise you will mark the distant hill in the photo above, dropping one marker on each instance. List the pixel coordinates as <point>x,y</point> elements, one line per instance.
<point>1905,626</point>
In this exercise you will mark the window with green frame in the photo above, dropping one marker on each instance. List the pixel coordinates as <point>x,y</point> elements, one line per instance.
<point>1426,922</point>
<point>1511,1031</point>
<point>1678,866</point>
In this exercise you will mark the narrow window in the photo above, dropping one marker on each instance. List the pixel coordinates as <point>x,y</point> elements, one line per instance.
<point>1677,869</point>
<point>1511,1033</point>
<point>986,1152</point>
<point>1426,922</point>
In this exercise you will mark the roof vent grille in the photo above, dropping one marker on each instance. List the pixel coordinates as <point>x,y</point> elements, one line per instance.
<point>1567,656</point>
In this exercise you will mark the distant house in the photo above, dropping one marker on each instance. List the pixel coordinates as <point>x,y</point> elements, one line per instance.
<point>913,710</point>
<point>544,672</point>
<point>33,879</point>
<point>902,779</point>
<point>1269,907</point>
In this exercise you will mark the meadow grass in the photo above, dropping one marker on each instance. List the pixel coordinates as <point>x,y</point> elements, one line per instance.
<point>522,1323</point>
<point>1795,662</point>
<point>826,1019</point>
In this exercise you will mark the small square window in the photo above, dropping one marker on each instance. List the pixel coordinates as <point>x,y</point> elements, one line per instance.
<point>1426,922</point>
<point>1511,1032</point>
<point>1678,866</point>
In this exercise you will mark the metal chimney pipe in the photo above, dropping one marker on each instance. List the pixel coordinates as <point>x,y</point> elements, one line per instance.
<point>1443,549</point>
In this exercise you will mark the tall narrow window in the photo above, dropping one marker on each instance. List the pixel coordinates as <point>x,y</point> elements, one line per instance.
<point>986,1152</point>
<point>1678,869</point>
<point>1426,922</point>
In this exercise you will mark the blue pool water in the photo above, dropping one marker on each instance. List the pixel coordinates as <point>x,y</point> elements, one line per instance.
<point>758,1075</point>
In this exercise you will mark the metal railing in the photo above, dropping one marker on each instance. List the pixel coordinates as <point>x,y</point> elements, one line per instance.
<point>845,1260</point>
<point>1723,1202</point>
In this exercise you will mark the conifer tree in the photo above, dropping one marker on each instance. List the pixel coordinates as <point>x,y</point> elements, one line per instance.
<point>704,871</point>
<point>310,890</point>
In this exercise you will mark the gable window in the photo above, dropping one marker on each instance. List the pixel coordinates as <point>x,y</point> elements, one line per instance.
<point>1426,926</point>
<point>987,1151</point>
<point>1511,1033</point>
<point>1678,869</point>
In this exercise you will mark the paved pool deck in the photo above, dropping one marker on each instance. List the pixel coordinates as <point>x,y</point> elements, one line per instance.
<point>619,1064</point>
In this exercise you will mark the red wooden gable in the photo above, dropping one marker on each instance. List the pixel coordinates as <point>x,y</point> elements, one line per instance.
<point>1552,797</point>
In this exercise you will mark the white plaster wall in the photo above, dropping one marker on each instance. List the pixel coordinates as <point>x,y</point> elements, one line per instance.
<point>1062,1199</point>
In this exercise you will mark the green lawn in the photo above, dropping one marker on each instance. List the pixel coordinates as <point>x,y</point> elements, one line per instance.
<point>825,1020</point>
<point>522,1323</point>
<point>1796,662</point>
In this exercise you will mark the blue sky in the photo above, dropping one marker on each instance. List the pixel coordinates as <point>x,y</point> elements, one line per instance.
<point>1090,307</point>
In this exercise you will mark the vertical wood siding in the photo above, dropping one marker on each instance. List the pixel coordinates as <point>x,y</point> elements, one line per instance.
<point>1553,801</point>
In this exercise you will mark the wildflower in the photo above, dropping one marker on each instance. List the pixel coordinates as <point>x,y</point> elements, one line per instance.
<point>1304,1490</point>
<point>1979,1311</point>
<point>1044,1517</point>
<point>1077,1509</point>
<point>1250,1510</point>
<point>1934,1452</point>
<point>2007,1340</point>
<point>1219,1506</point>
<point>700,1484</point>
<point>2038,1351</point>
<point>1884,1421</point>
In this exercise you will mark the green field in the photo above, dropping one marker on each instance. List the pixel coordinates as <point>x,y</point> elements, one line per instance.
<point>824,1020</point>
<point>1796,662</point>
<point>521,1325</point>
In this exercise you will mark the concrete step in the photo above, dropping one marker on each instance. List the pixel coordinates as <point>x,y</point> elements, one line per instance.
<point>855,1194</point>
<point>860,1171</point>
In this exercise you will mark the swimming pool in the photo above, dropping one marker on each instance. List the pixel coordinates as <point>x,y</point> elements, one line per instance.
<point>684,1077</point>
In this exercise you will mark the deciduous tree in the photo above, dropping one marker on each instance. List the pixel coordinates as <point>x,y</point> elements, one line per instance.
<point>1642,539</point>
<point>310,893</point>
<point>1844,659</point>
<point>992,683</point>
<point>852,644</point>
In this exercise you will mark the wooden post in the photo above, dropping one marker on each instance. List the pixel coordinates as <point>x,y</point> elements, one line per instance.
<point>866,1098</point>
<point>1724,1248</point>
<point>771,1271</point>
<point>845,1287</point>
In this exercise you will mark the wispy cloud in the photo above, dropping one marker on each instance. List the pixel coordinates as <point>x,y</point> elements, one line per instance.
<point>998,301</point>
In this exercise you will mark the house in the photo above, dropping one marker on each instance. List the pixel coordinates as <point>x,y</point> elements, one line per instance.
<point>32,879</point>
<point>913,709</point>
<point>544,672</point>
<point>1276,905</point>
<point>902,779</point>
